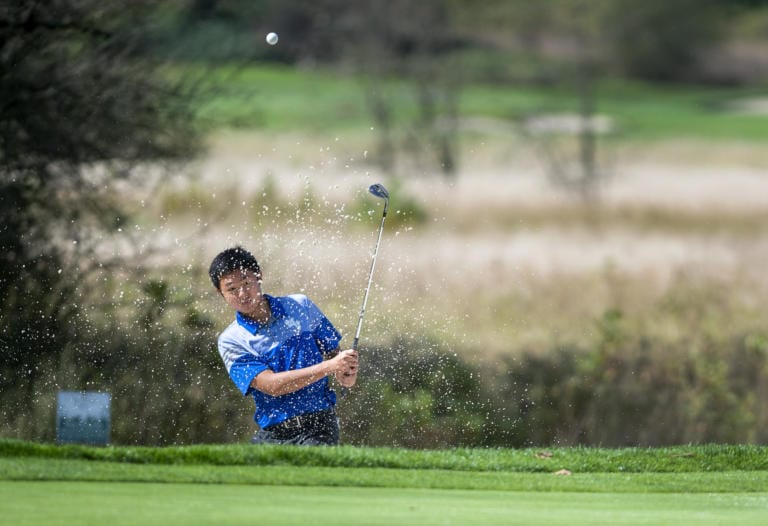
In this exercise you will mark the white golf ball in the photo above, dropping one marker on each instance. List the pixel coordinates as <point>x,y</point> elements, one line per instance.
<point>272,38</point>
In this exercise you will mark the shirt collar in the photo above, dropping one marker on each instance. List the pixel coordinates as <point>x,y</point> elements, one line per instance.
<point>252,325</point>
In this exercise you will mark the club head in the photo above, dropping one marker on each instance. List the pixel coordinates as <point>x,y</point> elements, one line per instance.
<point>379,191</point>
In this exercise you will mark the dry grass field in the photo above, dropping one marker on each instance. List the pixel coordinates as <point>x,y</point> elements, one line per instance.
<point>504,260</point>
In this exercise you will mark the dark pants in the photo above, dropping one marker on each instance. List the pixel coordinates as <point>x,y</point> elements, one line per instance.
<point>311,429</point>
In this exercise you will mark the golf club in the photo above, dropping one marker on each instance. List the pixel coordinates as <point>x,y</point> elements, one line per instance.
<point>379,191</point>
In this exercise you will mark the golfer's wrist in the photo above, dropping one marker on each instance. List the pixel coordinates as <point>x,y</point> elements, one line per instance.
<point>328,368</point>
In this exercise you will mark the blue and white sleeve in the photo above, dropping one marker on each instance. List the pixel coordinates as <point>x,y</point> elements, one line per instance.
<point>241,365</point>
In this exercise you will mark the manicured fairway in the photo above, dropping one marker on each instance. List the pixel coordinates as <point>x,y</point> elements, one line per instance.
<point>242,484</point>
<point>40,469</point>
<point>116,504</point>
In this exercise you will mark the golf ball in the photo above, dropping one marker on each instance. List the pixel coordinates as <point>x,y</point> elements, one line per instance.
<point>272,39</point>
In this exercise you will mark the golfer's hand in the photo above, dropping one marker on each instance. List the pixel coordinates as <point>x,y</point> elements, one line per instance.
<point>345,361</point>
<point>347,376</point>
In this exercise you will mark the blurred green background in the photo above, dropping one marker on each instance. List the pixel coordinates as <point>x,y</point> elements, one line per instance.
<point>579,229</point>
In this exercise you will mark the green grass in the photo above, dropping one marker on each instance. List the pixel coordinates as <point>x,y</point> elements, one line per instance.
<point>235,484</point>
<point>285,99</point>
<point>279,98</point>
<point>681,459</point>
<point>117,504</point>
<point>36,469</point>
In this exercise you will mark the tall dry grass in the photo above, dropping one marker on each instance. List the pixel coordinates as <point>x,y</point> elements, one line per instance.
<point>503,261</point>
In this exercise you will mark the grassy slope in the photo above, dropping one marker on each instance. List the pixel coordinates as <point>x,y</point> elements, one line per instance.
<point>694,468</point>
<point>35,469</point>
<point>284,99</point>
<point>679,459</point>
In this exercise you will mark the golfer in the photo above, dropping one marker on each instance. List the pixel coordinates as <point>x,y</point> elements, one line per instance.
<point>280,350</point>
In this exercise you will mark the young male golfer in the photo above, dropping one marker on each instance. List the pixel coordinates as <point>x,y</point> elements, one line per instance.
<point>280,350</point>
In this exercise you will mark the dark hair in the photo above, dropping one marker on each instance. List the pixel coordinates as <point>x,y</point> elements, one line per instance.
<point>229,260</point>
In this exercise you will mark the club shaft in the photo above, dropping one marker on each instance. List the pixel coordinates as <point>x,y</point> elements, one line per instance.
<point>370,278</point>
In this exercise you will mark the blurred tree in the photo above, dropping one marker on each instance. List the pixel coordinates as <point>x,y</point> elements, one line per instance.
<point>581,24</point>
<point>575,43</point>
<point>390,41</point>
<point>566,41</point>
<point>381,41</point>
<point>662,40</point>
<point>78,109</point>
<point>233,31</point>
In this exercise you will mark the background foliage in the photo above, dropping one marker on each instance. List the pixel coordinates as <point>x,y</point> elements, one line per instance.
<point>99,99</point>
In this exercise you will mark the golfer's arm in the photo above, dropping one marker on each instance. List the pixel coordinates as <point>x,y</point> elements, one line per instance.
<point>278,384</point>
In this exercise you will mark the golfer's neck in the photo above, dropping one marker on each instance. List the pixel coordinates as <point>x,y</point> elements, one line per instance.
<point>261,313</point>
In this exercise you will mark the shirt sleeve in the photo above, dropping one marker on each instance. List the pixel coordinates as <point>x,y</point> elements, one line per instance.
<point>325,334</point>
<point>242,366</point>
<point>244,370</point>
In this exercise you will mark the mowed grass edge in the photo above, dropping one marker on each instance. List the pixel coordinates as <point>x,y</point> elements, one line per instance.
<point>677,459</point>
<point>37,469</point>
<point>711,468</point>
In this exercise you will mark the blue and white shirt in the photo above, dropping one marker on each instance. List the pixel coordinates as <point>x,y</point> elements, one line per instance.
<point>297,336</point>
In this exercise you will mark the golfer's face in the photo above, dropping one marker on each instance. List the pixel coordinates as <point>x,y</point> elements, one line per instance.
<point>241,290</point>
